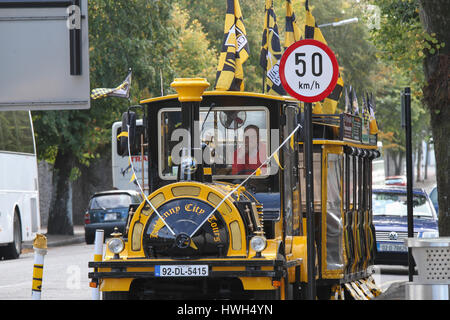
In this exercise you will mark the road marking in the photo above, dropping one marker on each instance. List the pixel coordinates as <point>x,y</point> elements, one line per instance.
<point>16,284</point>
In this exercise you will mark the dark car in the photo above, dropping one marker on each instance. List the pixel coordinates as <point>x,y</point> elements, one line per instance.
<point>107,210</point>
<point>390,219</point>
<point>434,199</point>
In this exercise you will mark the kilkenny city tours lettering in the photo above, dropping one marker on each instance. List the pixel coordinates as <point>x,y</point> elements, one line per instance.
<point>215,228</point>
<point>191,207</point>
<point>188,208</point>
<point>184,214</point>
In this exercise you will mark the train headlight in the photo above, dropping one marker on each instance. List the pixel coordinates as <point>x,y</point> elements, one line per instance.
<point>116,245</point>
<point>258,243</point>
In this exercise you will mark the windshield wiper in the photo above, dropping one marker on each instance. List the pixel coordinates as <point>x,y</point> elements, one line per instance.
<point>206,118</point>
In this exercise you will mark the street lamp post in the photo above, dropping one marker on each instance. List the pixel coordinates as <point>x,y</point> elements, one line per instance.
<point>339,23</point>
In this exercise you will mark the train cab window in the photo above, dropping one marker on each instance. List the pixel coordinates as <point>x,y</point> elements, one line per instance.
<point>317,183</point>
<point>333,211</point>
<point>235,141</point>
<point>290,195</point>
<point>351,184</point>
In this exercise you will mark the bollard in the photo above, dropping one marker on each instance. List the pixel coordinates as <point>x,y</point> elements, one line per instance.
<point>40,250</point>
<point>98,256</point>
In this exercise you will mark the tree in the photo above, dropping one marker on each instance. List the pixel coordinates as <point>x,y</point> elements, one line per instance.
<point>414,35</point>
<point>355,53</point>
<point>351,44</point>
<point>436,92</point>
<point>389,82</point>
<point>211,15</point>
<point>134,34</point>
<point>192,54</point>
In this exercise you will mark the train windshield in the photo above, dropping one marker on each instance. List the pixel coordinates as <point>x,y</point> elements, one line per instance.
<point>235,139</point>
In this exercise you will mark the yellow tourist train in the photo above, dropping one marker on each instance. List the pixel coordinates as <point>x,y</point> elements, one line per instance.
<point>225,217</point>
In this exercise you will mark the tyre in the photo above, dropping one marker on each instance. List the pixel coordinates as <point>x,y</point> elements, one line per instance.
<point>115,295</point>
<point>13,249</point>
<point>266,294</point>
<point>89,238</point>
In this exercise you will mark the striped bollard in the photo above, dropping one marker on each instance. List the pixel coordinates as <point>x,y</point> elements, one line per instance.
<point>98,256</point>
<point>40,250</point>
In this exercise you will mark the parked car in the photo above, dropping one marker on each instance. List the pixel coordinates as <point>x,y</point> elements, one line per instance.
<point>434,199</point>
<point>107,210</point>
<point>395,181</point>
<point>390,220</point>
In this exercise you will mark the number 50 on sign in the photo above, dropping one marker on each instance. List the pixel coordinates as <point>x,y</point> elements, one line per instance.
<point>309,70</point>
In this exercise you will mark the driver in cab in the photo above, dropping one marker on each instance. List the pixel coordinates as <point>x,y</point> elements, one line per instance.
<point>250,154</point>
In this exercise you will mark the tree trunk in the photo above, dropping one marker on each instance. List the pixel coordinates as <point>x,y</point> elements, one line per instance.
<point>434,16</point>
<point>398,162</point>
<point>419,161</point>
<point>427,160</point>
<point>60,214</point>
<point>396,158</point>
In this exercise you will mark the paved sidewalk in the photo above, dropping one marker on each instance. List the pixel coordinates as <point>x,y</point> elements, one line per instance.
<point>396,291</point>
<point>56,240</point>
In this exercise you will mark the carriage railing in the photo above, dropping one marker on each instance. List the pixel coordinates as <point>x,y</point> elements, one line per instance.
<point>344,126</point>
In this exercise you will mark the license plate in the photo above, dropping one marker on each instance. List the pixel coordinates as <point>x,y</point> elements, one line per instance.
<point>110,216</point>
<point>181,271</point>
<point>392,247</point>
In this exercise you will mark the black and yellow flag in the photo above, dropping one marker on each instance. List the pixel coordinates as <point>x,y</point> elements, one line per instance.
<point>365,111</point>
<point>348,105</point>
<point>271,52</point>
<point>230,73</point>
<point>355,105</point>
<point>373,121</point>
<point>293,31</point>
<point>122,91</point>
<point>312,31</point>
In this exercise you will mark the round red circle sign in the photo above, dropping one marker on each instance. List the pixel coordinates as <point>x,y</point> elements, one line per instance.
<point>309,70</point>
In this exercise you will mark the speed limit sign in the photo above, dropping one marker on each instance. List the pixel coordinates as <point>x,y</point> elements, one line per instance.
<point>308,70</point>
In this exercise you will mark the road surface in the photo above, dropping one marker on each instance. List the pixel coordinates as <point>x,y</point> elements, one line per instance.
<point>65,274</point>
<point>66,270</point>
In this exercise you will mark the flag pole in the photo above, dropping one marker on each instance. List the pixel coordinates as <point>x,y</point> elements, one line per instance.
<point>264,80</point>
<point>266,30</point>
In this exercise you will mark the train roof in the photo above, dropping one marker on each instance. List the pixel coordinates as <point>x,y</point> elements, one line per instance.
<point>341,130</point>
<point>243,94</point>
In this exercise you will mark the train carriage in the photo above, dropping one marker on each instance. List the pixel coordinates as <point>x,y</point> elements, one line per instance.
<point>226,218</point>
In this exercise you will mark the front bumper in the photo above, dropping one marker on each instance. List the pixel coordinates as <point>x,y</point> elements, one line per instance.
<point>276,269</point>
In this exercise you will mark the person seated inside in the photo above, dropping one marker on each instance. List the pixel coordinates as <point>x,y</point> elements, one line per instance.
<point>249,155</point>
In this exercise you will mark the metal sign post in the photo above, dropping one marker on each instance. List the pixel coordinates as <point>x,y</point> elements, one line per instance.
<point>406,123</point>
<point>308,154</point>
<point>309,72</point>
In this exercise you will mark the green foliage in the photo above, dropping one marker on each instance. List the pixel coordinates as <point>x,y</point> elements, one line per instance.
<point>211,15</point>
<point>401,45</point>
<point>130,34</point>
<point>183,38</point>
<point>354,51</point>
<point>355,54</point>
<point>402,40</point>
<point>192,55</point>
<point>390,82</point>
